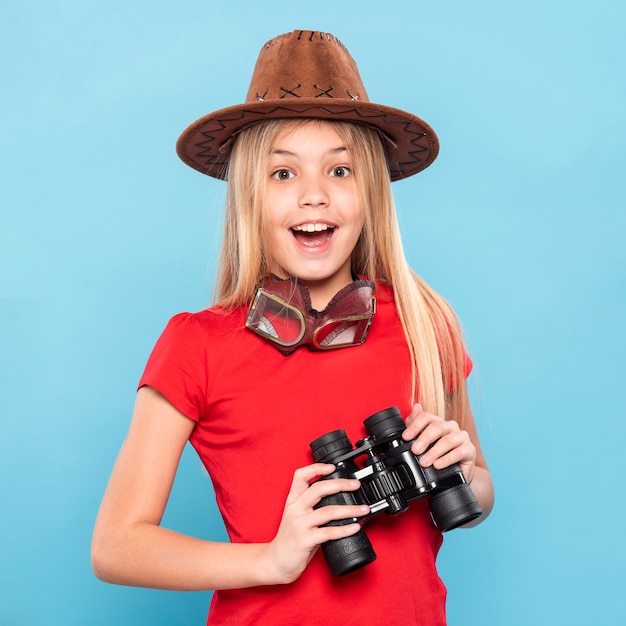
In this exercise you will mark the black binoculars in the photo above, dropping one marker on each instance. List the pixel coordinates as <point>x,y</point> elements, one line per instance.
<point>391,477</point>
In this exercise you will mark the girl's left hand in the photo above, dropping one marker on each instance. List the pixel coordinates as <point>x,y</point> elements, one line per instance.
<point>453,445</point>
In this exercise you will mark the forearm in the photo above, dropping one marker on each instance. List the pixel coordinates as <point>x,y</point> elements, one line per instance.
<point>146,555</point>
<point>482,487</point>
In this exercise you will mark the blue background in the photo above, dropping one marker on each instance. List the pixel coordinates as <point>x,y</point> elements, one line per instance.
<point>104,234</point>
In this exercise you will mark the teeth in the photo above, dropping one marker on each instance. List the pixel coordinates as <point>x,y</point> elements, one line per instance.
<point>312,228</point>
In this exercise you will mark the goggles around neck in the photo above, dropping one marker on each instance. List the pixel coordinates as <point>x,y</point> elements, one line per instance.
<point>282,314</point>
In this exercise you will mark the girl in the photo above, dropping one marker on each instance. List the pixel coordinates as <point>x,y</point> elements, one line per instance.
<point>319,323</point>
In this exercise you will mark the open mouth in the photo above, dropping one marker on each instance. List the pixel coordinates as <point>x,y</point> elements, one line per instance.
<point>313,235</point>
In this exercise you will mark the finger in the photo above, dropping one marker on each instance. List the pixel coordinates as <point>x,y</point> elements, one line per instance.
<point>336,512</point>
<point>434,430</point>
<point>303,476</point>
<point>309,472</point>
<point>324,488</point>
<point>418,421</point>
<point>332,533</point>
<point>461,457</point>
<point>453,448</point>
<point>416,409</point>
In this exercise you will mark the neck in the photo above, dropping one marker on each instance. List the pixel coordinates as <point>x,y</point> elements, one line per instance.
<point>324,290</point>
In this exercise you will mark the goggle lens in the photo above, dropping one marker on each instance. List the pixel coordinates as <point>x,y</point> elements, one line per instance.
<point>342,332</point>
<point>275,319</point>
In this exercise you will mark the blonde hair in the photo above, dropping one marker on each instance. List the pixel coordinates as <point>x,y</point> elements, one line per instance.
<point>432,331</point>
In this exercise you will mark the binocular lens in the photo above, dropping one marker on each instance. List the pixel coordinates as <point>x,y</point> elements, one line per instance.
<point>385,423</point>
<point>328,448</point>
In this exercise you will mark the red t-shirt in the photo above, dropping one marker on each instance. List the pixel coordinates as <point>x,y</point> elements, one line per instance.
<point>256,411</point>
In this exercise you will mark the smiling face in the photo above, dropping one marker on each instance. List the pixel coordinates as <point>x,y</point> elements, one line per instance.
<point>314,209</point>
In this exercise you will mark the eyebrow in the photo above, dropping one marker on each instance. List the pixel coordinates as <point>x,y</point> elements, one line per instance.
<point>280,152</point>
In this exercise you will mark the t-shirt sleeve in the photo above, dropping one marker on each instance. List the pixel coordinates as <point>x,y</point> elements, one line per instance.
<point>177,367</point>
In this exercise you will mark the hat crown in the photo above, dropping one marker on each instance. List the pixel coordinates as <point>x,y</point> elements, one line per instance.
<point>305,64</point>
<point>307,74</point>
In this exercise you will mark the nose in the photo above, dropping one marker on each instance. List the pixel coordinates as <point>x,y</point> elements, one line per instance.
<point>313,192</point>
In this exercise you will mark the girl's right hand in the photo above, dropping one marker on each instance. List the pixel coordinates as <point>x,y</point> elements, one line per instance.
<point>302,529</point>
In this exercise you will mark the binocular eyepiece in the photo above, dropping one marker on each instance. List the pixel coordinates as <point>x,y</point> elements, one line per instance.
<point>391,477</point>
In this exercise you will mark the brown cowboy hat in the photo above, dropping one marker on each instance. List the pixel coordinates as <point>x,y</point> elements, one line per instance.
<point>307,74</point>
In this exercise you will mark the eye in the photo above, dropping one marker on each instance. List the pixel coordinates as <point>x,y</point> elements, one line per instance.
<point>340,171</point>
<point>282,175</point>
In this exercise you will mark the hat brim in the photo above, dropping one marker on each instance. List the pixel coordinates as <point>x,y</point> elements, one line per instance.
<point>205,144</point>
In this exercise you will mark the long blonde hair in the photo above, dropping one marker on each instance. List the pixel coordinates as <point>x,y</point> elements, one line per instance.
<point>432,331</point>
